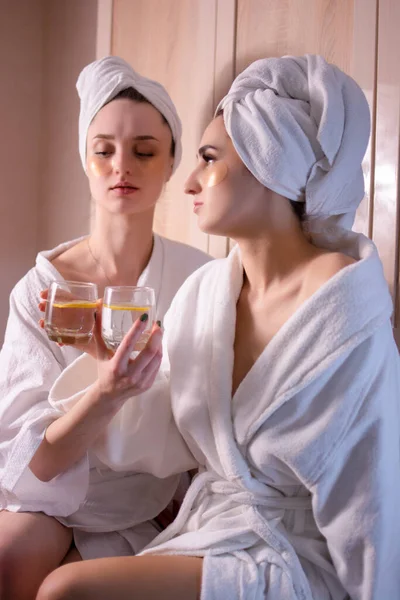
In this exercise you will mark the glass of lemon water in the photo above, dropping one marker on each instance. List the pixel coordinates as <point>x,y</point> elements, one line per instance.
<point>122,306</point>
<point>70,310</point>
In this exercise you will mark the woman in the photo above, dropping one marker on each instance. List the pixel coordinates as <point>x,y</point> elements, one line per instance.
<point>284,376</point>
<point>130,144</point>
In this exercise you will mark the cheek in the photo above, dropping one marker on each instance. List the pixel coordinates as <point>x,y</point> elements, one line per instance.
<point>158,169</point>
<point>214,175</point>
<point>99,167</point>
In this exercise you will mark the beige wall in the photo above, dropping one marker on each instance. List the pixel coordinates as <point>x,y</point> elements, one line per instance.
<point>20,117</point>
<point>44,197</point>
<point>70,44</point>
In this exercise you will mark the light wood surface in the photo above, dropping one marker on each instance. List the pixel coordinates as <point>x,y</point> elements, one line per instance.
<point>195,47</point>
<point>174,43</point>
<point>363,69</point>
<point>386,194</point>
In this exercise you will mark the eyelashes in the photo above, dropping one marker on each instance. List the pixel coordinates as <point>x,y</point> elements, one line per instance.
<point>208,158</point>
<point>144,155</point>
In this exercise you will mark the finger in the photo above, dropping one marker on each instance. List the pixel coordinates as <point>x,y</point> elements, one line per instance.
<point>127,346</point>
<point>149,373</point>
<point>42,306</point>
<point>41,323</point>
<point>98,314</point>
<point>44,294</point>
<point>152,349</point>
<point>102,351</point>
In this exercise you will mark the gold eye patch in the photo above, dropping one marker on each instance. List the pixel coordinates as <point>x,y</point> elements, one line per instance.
<point>214,174</point>
<point>99,167</point>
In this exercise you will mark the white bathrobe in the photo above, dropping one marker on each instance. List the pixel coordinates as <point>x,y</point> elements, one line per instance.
<point>299,485</point>
<point>89,496</point>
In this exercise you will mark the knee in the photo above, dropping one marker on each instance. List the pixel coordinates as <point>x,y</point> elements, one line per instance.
<point>59,585</point>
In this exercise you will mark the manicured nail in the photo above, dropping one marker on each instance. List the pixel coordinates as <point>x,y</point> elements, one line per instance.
<point>159,324</point>
<point>144,317</point>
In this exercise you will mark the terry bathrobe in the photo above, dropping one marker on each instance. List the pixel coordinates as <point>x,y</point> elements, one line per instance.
<point>90,497</point>
<point>298,491</point>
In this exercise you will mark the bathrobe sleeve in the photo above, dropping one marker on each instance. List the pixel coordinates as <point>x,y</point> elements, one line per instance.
<point>143,435</point>
<point>340,437</point>
<point>356,495</point>
<point>29,365</point>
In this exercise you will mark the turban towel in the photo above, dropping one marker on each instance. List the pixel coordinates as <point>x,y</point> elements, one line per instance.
<point>301,126</point>
<point>103,79</point>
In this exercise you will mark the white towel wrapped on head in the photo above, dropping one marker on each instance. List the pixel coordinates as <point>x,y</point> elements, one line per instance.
<point>301,126</point>
<point>103,79</point>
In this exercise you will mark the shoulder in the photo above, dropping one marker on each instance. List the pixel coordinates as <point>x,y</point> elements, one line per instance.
<point>199,283</point>
<point>26,290</point>
<point>188,256</point>
<point>72,261</point>
<point>325,266</point>
<point>180,261</point>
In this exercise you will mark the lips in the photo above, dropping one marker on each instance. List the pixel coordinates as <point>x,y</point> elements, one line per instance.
<point>124,185</point>
<point>124,188</point>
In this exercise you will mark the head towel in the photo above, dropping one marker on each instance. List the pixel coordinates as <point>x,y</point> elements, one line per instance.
<point>301,126</point>
<point>102,80</point>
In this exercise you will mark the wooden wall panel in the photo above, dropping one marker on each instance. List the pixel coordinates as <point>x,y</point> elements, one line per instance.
<point>195,47</point>
<point>174,43</point>
<point>363,69</point>
<point>224,73</point>
<point>277,27</point>
<point>385,229</point>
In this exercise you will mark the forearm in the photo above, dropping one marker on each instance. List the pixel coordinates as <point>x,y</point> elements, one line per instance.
<point>68,438</point>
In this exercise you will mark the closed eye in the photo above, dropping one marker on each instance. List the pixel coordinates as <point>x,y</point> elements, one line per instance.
<point>144,155</point>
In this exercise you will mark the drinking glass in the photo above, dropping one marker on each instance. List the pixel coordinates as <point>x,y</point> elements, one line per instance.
<point>70,310</point>
<point>122,306</point>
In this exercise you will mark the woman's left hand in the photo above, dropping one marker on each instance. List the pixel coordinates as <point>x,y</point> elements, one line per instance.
<point>96,346</point>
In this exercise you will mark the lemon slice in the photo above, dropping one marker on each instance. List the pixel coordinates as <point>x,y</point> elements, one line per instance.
<point>75,304</point>
<point>127,307</point>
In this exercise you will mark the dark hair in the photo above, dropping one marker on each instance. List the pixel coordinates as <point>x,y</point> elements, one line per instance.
<point>136,96</point>
<point>298,208</point>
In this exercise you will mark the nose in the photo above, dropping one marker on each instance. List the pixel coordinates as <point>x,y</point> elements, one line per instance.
<point>122,163</point>
<point>192,185</point>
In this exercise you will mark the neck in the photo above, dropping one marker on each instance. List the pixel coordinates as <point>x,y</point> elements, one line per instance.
<point>122,245</point>
<point>274,257</point>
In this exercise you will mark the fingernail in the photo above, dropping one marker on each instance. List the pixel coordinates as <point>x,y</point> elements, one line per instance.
<point>159,324</point>
<point>144,317</point>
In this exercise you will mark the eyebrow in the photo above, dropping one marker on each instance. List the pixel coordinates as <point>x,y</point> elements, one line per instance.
<point>105,136</point>
<point>204,149</point>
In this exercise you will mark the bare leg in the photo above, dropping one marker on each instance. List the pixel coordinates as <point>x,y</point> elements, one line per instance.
<point>72,556</point>
<point>31,546</point>
<point>126,578</point>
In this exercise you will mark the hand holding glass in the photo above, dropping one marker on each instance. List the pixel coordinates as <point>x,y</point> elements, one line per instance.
<point>70,310</point>
<point>122,306</point>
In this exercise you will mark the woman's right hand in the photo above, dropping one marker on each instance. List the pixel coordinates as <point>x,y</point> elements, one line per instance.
<point>119,375</point>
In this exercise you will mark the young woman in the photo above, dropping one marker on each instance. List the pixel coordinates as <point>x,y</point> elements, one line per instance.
<point>130,144</point>
<point>283,373</point>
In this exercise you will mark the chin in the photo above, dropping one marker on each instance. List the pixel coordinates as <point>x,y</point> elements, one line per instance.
<point>212,226</point>
<point>128,206</point>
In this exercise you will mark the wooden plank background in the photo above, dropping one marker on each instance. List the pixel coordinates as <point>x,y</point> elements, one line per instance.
<point>195,48</point>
